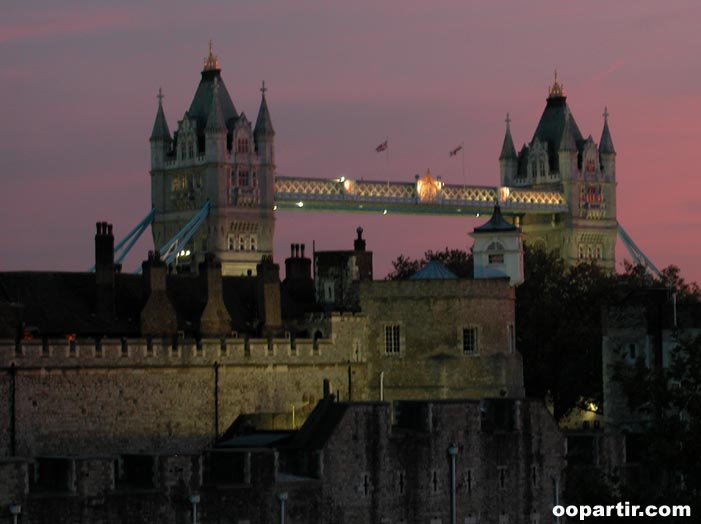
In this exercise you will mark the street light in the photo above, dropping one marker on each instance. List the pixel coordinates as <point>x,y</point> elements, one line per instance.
<point>194,500</point>
<point>15,510</point>
<point>282,497</point>
<point>452,451</point>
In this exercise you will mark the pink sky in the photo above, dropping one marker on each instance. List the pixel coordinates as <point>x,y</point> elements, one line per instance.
<point>78,88</point>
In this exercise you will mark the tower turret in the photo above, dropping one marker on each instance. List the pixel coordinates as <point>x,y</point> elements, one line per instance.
<point>161,140</point>
<point>607,153</point>
<point>508,161</point>
<point>264,133</point>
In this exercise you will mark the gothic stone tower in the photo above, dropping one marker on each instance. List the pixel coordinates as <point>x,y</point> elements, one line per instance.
<point>215,155</point>
<point>559,158</point>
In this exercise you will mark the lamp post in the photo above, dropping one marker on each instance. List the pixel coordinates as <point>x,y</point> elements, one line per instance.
<point>452,452</point>
<point>194,500</point>
<point>15,510</point>
<point>282,497</point>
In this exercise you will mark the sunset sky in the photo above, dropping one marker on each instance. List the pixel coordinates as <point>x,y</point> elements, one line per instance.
<point>78,88</point>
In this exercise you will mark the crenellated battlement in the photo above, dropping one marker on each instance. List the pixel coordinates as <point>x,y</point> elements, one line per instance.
<point>159,352</point>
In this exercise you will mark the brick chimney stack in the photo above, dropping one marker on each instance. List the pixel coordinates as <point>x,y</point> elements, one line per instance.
<point>269,307</point>
<point>104,271</point>
<point>158,316</point>
<point>215,320</point>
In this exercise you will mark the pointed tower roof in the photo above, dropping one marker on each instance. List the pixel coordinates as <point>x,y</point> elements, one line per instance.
<point>567,140</point>
<point>434,270</point>
<point>215,119</point>
<point>202,101</point>
<point>264,125</point>
<point>606,144</point>
<point>508,151</point>
<point>496,224</point>
<point>552,122</point>
<point>160,126</point>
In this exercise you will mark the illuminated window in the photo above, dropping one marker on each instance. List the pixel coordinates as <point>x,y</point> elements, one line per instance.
<point>174,184</point>
<point>392,344</point>
<point>497,258</point>
<point>469,341</point>
<point>183,183</point>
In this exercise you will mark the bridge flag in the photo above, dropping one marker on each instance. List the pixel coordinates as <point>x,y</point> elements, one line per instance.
<point>455,151</point>
<point>382,147</point>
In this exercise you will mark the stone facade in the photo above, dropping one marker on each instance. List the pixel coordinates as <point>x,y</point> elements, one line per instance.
<point>350,464</point>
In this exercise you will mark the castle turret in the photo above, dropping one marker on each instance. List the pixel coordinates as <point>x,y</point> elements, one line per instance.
<point>161,140</point>
<point>498,250</point>
<point>264,132</point>
<point>607,153</point>
<point>508,161</point>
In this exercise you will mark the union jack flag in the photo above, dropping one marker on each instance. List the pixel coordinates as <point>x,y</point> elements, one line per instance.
<point>455,151</point>
<point>381,147</point>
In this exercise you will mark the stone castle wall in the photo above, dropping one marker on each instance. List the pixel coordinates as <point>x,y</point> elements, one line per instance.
<point>140,396</point>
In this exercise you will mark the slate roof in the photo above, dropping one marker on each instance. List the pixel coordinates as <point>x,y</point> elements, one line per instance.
<point>496,223</point>
<point>606,143</point>
<point>202,101</point>
<point>160,126</point>
<point>508,151</point>
<point>264,125</point>
<point>552,128</point>
<point>434,270</point>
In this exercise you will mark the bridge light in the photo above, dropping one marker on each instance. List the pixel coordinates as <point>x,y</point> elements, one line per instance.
<point>477,215</point>
<point>384,212</point>
<point>342,179</point>
<point>300,204</point>
<point>274,208</point>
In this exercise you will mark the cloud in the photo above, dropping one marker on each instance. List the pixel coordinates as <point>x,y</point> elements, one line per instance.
<point>50,25</point>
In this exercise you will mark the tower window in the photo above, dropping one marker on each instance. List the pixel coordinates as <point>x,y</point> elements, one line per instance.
<point>242,145</point>
<point>252,242</point>
<point>497,258</point>
<point>244,179</point>
<point>190,150</point>
<point>392,341</point>
<point>175,184</point>
<point>469,341</point>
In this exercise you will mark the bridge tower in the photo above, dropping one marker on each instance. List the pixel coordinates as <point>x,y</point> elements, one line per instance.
<point>215,155</point>
<point>559,158</point>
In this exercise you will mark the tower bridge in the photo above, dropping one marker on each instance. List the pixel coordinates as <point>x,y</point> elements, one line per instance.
<point>560,187</point>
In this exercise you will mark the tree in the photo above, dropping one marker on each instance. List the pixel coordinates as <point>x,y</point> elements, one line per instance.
<point>669,400</point>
